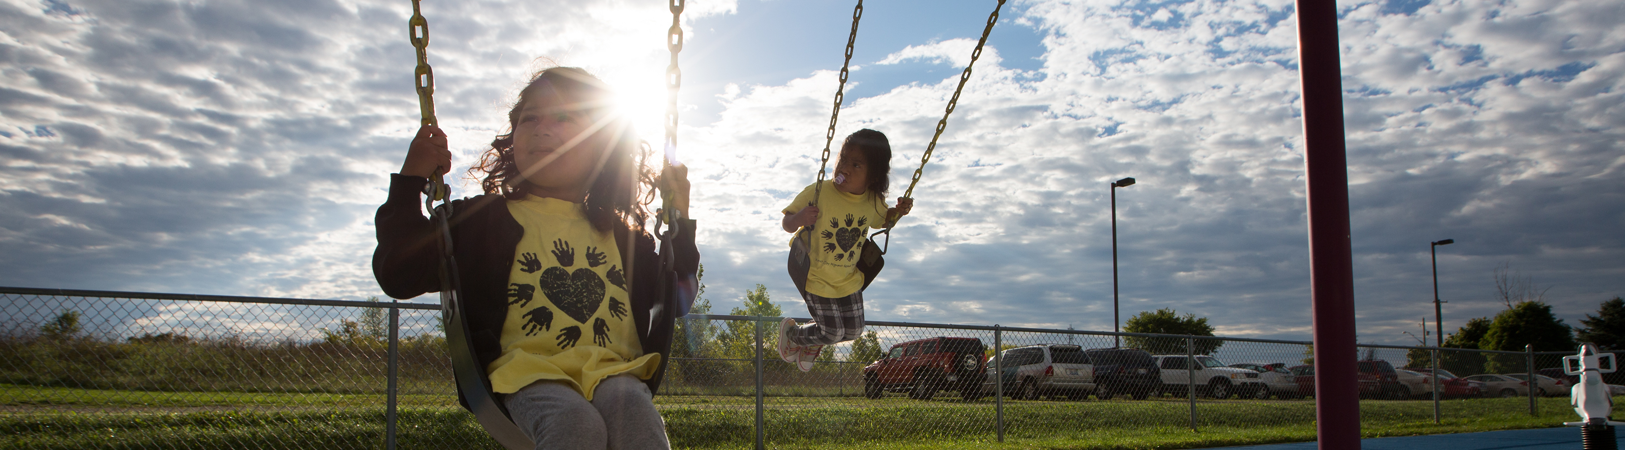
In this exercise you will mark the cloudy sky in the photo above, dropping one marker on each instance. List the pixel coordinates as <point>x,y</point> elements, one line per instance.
<point>240,147</point>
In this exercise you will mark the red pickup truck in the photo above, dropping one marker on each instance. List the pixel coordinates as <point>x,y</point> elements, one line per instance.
<point>926,366</point>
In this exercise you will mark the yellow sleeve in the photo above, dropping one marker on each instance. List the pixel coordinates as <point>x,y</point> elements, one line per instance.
<point>803,200</point>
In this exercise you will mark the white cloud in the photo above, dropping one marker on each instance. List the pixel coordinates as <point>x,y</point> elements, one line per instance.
<point>240,148</point>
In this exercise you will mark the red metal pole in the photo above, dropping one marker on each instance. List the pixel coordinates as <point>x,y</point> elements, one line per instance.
<point>1331,266</point>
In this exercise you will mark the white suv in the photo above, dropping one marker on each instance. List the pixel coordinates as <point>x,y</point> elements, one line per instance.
<point>1212,377</point>
<point>1045,370</point>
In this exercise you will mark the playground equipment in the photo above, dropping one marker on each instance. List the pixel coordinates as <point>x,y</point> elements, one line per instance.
<point>1591,398</point>
<point>872,259</point>
<point>473,384</point>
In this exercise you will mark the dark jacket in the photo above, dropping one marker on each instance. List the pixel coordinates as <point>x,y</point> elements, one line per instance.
<point>484,235</point>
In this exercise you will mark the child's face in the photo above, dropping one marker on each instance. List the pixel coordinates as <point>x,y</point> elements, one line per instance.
<point>549,147</point>
<point>852,171</point>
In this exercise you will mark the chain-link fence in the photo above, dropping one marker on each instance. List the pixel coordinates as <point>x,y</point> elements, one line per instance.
<point>82,369</point>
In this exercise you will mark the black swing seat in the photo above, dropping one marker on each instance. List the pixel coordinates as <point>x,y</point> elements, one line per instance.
<point>800,262</point>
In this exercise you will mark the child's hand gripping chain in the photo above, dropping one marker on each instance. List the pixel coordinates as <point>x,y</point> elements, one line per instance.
<point>1590,397</point>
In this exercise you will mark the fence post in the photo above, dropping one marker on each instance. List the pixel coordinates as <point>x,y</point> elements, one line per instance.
<point>1534,385</point>
<point>756,325</point>
<point>998,379</point>
<point>1437,393</point>
<point>394,367</point>
<point>1190,380</point>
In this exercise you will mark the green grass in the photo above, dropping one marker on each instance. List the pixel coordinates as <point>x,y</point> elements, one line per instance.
<point>62,418</point>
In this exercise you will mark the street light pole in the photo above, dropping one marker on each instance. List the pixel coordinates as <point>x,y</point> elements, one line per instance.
<point>1116,319</point>
<point>1438,312</point>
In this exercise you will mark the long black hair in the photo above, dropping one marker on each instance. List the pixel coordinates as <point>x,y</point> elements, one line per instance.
<point>877,153</point>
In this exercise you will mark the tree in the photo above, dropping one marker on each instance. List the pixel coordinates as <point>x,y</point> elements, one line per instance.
<point>374,321</point>
<point>1309,355</point>
<point>1466,337</point>
<point>1513,288</point>
<point>64,326</point>
<point>866,348</point>
<point>1167,321</point>
<point>1607,328</point>
<point>1527,323</point>
<point>738,338</point>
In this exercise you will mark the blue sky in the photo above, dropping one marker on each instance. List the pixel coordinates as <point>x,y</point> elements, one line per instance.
<point>240,148</point>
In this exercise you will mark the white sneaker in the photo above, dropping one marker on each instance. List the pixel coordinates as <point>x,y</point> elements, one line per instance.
<point>789,353</point>
<point>807,356</point>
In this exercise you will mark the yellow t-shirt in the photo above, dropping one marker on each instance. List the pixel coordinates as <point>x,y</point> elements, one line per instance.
<point>568,316</point>
<point>837,237</point>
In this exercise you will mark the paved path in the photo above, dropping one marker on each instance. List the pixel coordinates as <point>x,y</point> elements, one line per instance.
<point>1567,438</point>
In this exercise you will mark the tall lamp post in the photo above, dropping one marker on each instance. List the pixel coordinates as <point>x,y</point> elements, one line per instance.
<point>1126,182</point>
<point>1438,313</point>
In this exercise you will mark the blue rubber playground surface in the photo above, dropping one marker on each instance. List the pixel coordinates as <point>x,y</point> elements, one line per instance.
<point>1567,438</point>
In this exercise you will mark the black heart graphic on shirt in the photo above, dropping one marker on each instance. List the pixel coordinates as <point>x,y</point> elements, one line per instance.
<point>576,294</point>
<point>848,237</point>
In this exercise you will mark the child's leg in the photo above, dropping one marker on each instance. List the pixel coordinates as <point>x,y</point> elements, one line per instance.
<point>629,414</point>
<point>835,320</point>
<point>556,416</point>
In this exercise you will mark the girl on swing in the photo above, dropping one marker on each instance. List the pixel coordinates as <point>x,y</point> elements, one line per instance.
<point>840,216</point>
<point>556,315</point>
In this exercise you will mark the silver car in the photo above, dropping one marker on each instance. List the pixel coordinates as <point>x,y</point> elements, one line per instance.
<point>1055,370</point>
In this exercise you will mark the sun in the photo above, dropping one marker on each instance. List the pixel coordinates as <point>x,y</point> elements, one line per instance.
<point>642,100</point>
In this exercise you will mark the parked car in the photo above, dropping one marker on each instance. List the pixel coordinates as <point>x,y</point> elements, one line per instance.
<point>1304,375</point>
<point>1276,379</point>
<point>1558,373</point>
<point>1502,385</point>
<point>1211,376</point>
<point>1378,379</point>
<point>1124,371</point>
<point>925,366</point>
<point>1452,385</point>
<point>1547,386</point>
<point>1415,384</point>
<point>1054,370</point>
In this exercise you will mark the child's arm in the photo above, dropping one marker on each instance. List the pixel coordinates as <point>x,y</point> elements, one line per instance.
<point>406,261</point>
<point>807,216</point>
<point>904,205</point>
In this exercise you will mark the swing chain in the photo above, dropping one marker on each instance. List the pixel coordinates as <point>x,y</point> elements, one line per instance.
<point>674,75</point>
<point>963,77</point>
<point>423,77</point>
<point>840,95</point>
<point>674,81</point>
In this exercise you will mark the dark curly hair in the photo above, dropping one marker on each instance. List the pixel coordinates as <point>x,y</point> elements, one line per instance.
<point>623,185</point>
<point>877,153</point>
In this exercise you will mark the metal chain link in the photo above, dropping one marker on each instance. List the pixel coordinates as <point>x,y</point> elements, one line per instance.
<point>840,95</point>
<point>423,77</point>
<point>674,81</point>
<point>943,124</point>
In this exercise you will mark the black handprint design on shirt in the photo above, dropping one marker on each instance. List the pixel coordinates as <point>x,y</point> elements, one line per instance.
<point>529,264</point>
<point>520,293</point>
<point>616,277</point>
<point>563,252</point>
<point>595,258</point>
<point>600,332</point>
<point>537,320</point>
<point>568,336</point>
<point>616,308</point>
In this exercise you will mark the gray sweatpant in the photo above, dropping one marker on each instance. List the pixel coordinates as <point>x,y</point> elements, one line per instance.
<point>621,416</point>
